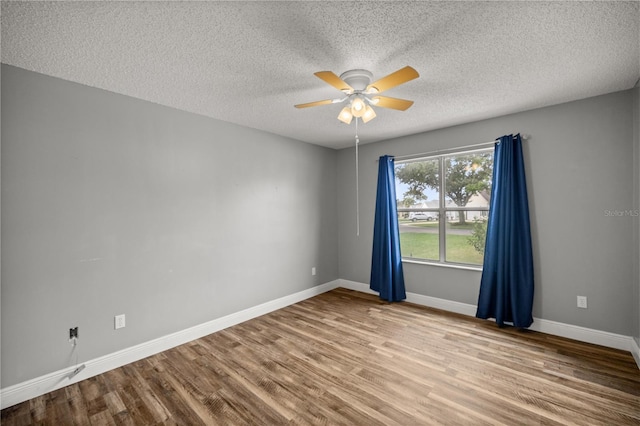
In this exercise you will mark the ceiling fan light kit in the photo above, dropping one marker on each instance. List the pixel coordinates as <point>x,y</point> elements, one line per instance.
<point>356,84</point>
<point>357,106</point>
<point>345,115</point>
<point>369,114</point>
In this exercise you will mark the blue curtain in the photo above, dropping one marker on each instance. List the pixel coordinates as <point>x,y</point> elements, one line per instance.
<point>387,277</point>
<point>506,288</point>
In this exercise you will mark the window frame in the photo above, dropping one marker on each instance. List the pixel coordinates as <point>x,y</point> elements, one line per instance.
<point>442,209</point>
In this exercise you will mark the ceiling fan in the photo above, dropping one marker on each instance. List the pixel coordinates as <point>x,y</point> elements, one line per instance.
<point>362,94</point>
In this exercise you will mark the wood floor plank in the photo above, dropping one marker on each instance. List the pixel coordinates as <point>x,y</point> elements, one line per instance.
<point>348,358</point>
<point>77,405</point>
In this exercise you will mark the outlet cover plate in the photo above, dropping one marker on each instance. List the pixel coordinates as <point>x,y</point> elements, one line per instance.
<point>119,321</point>
<point>582,302</point>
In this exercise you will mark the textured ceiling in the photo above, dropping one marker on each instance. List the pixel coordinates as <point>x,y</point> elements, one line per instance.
<point>250,62</point>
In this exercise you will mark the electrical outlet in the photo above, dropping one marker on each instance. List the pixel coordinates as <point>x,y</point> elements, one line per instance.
<point>313,270</point>
<point>582,302</point>
<point>73,333</point>
<point>119,321</point>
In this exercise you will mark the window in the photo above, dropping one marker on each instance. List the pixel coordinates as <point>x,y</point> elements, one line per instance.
<point>443,206</point>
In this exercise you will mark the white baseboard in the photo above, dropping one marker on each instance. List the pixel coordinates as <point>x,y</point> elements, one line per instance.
<point>603,338</point>
<point>635,351</point>
<point>418,299</point>
<point>354,285</point>
<point>583,334</point>
<point>40,385</point>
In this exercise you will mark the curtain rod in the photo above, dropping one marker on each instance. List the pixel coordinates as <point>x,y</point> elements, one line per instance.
<point>454,149</point>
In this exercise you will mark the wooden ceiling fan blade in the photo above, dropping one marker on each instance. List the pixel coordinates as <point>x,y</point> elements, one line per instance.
<point>392,80</point>
<point>316,103</point>
<point>335,81</point>
<point>393,103</point>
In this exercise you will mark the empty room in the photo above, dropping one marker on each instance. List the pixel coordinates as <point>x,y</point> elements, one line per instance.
<point>302,212</point>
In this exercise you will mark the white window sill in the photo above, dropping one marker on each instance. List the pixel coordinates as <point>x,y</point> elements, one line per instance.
<point>443,265</point>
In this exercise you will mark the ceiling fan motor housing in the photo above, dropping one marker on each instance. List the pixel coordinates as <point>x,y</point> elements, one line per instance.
<point>358,79</point>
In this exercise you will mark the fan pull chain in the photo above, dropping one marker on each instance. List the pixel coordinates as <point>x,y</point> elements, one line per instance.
<point>357,185</point>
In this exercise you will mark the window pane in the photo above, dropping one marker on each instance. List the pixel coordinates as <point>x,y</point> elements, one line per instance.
<point>417,187</point>
<point>465,241</point>
<point>417,184</point>
<point>419,235</point>
<point>468,181</point>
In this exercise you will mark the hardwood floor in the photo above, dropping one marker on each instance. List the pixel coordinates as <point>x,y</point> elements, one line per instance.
<point>345,357</point>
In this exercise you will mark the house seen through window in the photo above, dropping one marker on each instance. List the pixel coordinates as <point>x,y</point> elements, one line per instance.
<point>443,206</point>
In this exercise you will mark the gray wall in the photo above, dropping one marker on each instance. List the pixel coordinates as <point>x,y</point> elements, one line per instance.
<point>636,193</point>
<point>112,205</point>
<point>579,163</point>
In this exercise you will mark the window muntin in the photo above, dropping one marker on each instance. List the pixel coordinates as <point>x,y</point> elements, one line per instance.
<point>453,187</point>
